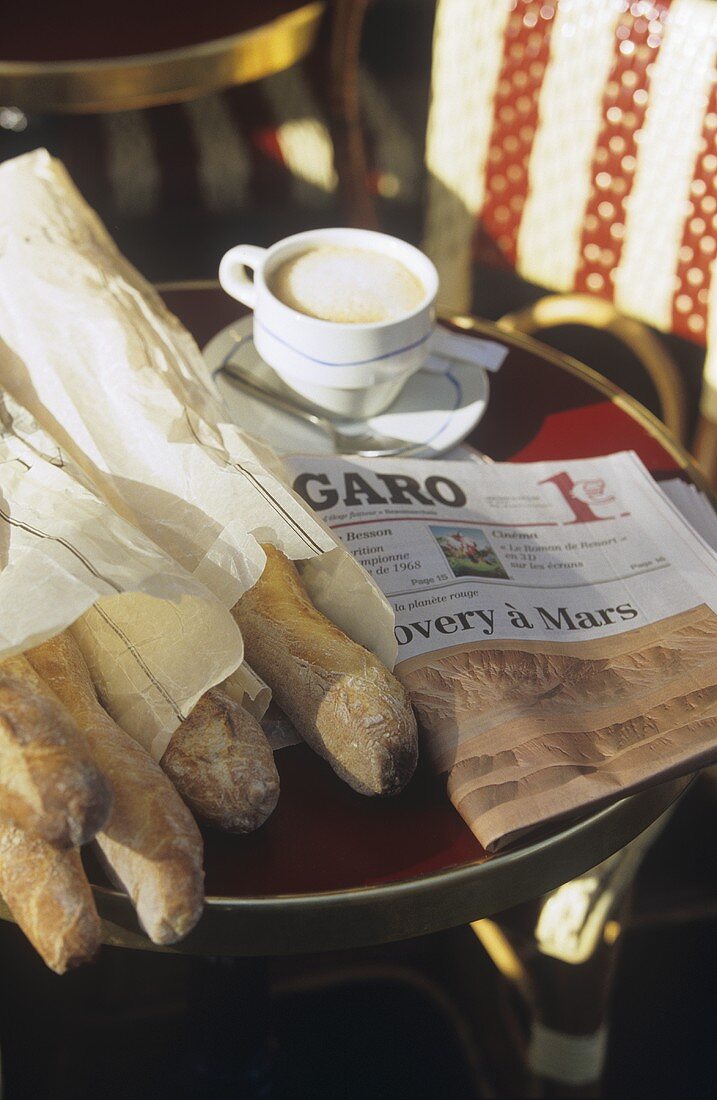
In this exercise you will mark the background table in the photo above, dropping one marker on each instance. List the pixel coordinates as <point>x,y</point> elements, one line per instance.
<point>82,58</point>
<point>332,869</point>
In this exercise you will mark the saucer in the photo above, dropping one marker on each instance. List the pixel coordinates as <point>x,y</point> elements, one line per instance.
<point>438,407</point>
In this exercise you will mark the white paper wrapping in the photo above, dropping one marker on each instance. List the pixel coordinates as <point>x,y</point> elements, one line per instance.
<point>90,349</point>
<point>154,638</point>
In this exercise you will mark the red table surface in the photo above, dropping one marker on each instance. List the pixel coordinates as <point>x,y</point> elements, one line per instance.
<point>88,31</point>
<point>323,836</point>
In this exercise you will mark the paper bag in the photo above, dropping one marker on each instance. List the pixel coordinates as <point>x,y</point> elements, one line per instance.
<point>154,638</point>
<point>88,346</point>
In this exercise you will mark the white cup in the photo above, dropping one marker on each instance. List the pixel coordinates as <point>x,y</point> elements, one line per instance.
<point>351,370</point>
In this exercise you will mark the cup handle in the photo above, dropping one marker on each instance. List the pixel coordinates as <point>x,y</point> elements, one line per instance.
<point>232,274</point>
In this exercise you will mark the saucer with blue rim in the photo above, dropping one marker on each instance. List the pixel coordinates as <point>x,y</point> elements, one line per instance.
<point>437,408</point>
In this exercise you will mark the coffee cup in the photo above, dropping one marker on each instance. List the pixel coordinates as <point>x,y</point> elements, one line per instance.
<point>343,316</point>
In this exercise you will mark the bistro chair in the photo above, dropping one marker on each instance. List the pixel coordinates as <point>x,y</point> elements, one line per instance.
<point>575,143</point>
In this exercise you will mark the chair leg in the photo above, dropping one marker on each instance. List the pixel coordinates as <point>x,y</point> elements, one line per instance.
<point>347,17</point>
<point>560,953</point>
<point>570,1024</point>
<point>566,1003</point>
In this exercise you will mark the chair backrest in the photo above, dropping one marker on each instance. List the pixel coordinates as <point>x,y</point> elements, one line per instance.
<point>576,141</point>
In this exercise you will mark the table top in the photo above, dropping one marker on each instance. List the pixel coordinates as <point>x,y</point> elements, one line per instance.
<point>331,869</point>
<point>55,58</point>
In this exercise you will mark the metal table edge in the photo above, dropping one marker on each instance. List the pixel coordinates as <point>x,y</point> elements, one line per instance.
<point>168,76</point>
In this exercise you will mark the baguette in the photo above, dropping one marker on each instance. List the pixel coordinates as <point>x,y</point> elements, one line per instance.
<point>221,763</point>
<point>150,844</point>
<point>49,784</point>
<point>48,895</point>
<point>344,703</point>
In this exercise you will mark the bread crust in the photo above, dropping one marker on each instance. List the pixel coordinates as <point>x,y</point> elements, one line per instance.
<point>50,785</point>
<point>150,845</point>
<point>345,704</point>
<point>221,763</point>
<point>47,893</point>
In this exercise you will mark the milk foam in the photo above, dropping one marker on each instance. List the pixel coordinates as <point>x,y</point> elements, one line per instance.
<point>348,285</point>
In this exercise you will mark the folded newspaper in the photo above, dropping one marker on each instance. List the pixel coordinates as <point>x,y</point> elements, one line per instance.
<point>556,624</point>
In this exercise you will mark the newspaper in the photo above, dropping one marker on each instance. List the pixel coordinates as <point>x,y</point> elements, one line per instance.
<point>693,504</point>
<point>556,624</point>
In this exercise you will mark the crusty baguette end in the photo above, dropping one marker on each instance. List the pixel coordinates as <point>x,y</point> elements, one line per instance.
<point>150,845</point>
<point>47,892</point>
<point>221,763</point>
<point>345,704</point>
<point>49,784</point>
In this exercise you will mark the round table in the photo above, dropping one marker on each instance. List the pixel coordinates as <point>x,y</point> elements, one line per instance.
<point>331,869</point>
<point>59,58</point>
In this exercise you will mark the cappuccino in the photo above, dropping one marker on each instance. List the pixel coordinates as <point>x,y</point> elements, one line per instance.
<point>347,285</point>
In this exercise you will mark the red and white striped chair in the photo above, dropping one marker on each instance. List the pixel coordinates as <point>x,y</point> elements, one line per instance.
<point>576,142</point>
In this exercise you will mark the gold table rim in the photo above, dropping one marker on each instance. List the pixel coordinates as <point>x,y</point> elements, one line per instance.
<point>446,876</point>
<point>137,81</point>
